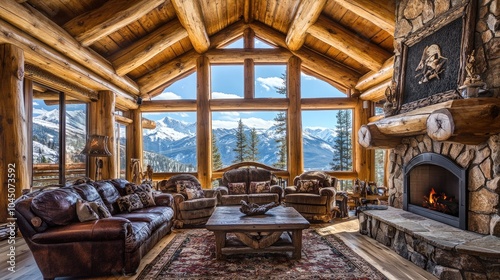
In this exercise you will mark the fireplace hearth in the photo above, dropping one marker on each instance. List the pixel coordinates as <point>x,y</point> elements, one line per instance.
<point>435,187</point>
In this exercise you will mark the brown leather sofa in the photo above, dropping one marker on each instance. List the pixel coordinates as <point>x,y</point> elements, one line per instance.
<point>248,175</point>
<point>64,246</point>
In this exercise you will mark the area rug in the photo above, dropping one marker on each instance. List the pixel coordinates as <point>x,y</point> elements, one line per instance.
<point>191,255</point>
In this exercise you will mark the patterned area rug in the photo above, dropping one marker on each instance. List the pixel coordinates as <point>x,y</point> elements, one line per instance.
<point>191,255</point>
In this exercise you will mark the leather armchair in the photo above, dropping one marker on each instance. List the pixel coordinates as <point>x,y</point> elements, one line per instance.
<point>319,202</point>
<point>189,211</point>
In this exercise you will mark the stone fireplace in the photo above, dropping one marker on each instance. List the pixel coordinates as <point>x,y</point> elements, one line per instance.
<point>435,187</point>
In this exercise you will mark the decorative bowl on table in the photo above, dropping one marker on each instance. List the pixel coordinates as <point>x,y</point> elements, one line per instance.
<point>251,209</point>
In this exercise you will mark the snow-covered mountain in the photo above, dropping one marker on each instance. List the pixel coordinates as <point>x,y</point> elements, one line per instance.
<point>172,144</point>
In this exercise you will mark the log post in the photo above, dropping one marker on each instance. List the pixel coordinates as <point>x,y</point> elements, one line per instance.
<point>135,145</point>
<point>204,119</point>
<point>295,148</point>
<point>106,123</point>
<point>249,65</point>
<point>363,159</point>
<point>13,131</point>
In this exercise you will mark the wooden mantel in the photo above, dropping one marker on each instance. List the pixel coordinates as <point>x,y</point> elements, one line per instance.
<point>467,121</point>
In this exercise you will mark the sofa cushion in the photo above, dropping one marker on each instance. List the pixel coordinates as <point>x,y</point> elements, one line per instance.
<point>154,218</point>
<point>306,198</point>
<point>233,199</point>
<point>109,195</point>
<point>259,187</point>
<point>120,185</point>
<point>263,198</point>
<point>129,203</point>
<point>198,204</point>
<point>87,192</point>
<point>237,188</point>
<point>235,175</point>
<point>308,186</point>
<point>189,189</point>
<point>56,207</point>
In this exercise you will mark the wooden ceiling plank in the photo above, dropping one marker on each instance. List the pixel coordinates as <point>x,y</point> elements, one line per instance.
<point>189,14</point>
<point>110,17</point>
<point>373,78</point>
<point>146,48</point>
<point>247,11</point>
<point>311,60</point>
<point>360,49</point>
<point>381,12</point>
<point>32,22</point>
<point>307,14</point>
<point>168,71</point>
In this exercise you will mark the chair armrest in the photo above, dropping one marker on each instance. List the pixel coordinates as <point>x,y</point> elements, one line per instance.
<point>329,191</point>
<point>178,198</point>
<point>163,199</point>
<point>223,190</point>
<point>290,190</point>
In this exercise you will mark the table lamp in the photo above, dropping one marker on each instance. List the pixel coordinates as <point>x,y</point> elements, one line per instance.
<point>97,146</point>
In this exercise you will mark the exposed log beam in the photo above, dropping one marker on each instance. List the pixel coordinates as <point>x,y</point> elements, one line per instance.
<point>373,78</point>
<point>110,17</point>
<point>380,12</point>
<point>168,106</point>
<point>148,124</point>
<point>146,48</point>
<point>311,60</point>
<point>307,14</point>
<point>32,22</point>
<point>247,11</point>
<point>44,57</point>
<point>279,55</point>
<point>227,34</point>
<point>189,14</point>
<point>168,71</point>
<point>377,92</point>
<point>370,137</point>
<point>348,42</point>
<point>249,104</point>
<point>122,119</point>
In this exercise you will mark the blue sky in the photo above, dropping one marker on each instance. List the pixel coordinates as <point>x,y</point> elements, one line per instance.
<point>227,82</point>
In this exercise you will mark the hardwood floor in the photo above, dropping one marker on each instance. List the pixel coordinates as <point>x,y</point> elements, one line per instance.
<point>385,260</point>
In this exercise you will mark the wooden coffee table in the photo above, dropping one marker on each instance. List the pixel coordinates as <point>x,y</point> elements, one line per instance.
<point>279,230</point>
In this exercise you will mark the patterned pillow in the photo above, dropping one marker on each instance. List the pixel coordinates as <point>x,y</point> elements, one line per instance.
<point>129,202</point>
<point>85,212</point>
<point>237,188</point>
<point>100,209</point>
<point>308,186</point>
<point>189,189</point>
<point>144,191</point>
<point>260,187</point>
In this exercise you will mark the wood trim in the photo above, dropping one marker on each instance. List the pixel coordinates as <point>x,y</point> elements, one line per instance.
<point>247,164</point>
<point>93,25</point>
<point>237,56</point>
<point>328,103</point>
<point>168,106</point>
<point>260,104</point>
<point>190,16</point>
<point>306,15</point>
<point>123,120</point>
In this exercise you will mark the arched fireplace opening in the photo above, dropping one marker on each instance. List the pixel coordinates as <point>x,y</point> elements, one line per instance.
<point>435,187</point>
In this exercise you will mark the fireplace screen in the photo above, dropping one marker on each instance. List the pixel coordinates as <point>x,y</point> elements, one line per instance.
<point>434,187</point>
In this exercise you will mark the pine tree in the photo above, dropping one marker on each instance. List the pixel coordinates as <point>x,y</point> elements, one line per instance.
<point>280,130</point>
<point>216,156</point>
<point>241,144</point>
<point>342,157</point>
<point>253,149</point>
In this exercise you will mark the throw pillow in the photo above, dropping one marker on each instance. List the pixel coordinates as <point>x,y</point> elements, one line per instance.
<point>144,191</point>
<point>237,188</point>
<point>189,189</point>
<point>308,186</point>
<point>129,202</point>
<point>85,212</point>
<point>100,209</point>
<point>260,187</point>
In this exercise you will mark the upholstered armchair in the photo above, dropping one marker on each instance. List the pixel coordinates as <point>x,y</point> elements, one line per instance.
<point>193,205</point>
<point>313,195</point>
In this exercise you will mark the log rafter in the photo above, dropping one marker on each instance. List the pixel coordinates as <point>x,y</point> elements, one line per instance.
<point>143,50</point>
<point>32,22</point>
<point>379,12</point>
<point>306,15</point>
<point>189,14</point>
<point>348,42</point>
<point>110,17</point>
<point>373,78</point>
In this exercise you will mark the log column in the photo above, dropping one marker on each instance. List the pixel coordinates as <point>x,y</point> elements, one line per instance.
<point>363,159</point>
<point>106,126</point>
<point>204,119</point>
<point>135,141</point>
<point>13,131</point>
<point>295,147</point>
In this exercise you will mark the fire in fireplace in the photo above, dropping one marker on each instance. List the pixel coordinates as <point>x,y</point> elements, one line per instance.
<point>435,187</point>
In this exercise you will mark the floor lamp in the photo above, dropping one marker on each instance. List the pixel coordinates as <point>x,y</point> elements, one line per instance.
<point>97,146</point>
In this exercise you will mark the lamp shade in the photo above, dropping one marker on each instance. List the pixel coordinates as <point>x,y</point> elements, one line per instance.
<point>97,146</point>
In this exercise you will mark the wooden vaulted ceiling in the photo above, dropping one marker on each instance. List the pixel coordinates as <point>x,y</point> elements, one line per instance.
<point>139,47</point>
